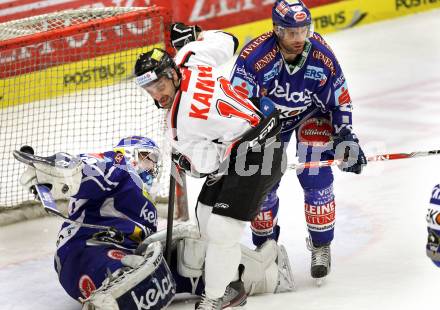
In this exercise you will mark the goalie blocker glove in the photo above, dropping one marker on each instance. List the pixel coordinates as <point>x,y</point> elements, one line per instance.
<point>182,34</point>
<point>346,146</point>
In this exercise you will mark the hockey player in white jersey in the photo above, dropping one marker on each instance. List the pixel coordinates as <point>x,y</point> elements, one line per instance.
<point>218,134</point>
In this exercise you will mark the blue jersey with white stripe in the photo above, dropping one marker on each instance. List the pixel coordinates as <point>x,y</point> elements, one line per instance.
<point>111,194</point>
<point>314,83</point>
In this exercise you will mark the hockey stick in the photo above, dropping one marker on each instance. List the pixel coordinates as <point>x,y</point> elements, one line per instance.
<point>381,157</point>
<point>181,198</point>
<point>43,194</point>
<point>170,218</point>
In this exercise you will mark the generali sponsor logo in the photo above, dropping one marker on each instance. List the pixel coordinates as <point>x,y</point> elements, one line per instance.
<point>254,44</point>
<point>325,60</point>
<point>322,41</point>
<point>266,59</point>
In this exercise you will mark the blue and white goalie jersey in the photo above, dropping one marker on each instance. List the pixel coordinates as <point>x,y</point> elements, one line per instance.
<point>111,194</point>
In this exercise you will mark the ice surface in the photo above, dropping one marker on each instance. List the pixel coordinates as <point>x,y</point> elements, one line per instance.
<point>379,261</point>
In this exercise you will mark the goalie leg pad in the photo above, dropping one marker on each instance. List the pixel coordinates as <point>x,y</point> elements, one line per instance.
<point>150,285</point>
<point>267,269</point>
<point>191,257</point>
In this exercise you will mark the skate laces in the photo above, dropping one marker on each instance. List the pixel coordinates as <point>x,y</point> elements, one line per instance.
<point>320,255</point>
<point>230,293</point>
<point>208,303</point>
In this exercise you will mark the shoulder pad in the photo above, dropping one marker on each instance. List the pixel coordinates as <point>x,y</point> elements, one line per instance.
<point>323,45</point>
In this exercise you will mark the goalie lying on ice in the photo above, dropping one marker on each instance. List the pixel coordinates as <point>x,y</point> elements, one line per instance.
<point>126,269</point>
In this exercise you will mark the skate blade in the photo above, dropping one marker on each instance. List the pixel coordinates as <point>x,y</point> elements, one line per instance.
<point>319,282</point>
<point>241,306</point>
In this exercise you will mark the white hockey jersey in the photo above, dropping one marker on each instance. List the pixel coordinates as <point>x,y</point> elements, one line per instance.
<point>207,115</point>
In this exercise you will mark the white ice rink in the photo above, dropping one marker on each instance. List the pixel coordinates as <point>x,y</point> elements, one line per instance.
<point>379,261</point>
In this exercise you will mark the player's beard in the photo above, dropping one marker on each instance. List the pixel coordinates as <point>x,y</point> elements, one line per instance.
<point>166,101</point>
<point>294,48</point>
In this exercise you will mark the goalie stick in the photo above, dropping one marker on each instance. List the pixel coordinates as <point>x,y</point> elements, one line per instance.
<point>381,157</point>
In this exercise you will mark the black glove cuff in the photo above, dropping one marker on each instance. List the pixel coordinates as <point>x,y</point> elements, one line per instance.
<point>181,161</point>
<point>182,34</point>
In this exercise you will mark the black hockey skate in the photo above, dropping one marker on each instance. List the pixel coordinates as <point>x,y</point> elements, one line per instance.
<point>235,296</point>
<point>321,260</point>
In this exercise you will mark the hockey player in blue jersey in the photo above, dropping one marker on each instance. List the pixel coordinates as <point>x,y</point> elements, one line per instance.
<point>295,68</point>
<point>433,220</point>
<point>111,190</point>
<point>122,267</point>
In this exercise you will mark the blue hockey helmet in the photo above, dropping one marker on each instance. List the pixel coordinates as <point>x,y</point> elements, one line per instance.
<point>142,154</point>
<point>291,14</point>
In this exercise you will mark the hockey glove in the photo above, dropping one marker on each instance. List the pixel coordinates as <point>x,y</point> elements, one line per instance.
<point>264,104</point>
<point>181,162</point>
<point>267,106</point>
<point>62,173</point>
<point>346,147</point>
<point>182,34</point>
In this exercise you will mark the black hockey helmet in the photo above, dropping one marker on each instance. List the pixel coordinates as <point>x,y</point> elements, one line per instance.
<point>152,65</point>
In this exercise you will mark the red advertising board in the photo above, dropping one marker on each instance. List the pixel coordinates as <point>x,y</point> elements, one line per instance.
<point>209,14</point>
<point>81,41</point>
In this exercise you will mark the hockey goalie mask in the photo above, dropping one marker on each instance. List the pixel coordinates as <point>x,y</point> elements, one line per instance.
<point>157,74</point>
<point>143,155</point>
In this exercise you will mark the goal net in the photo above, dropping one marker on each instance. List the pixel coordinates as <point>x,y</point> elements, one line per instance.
<point>66,85</point>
